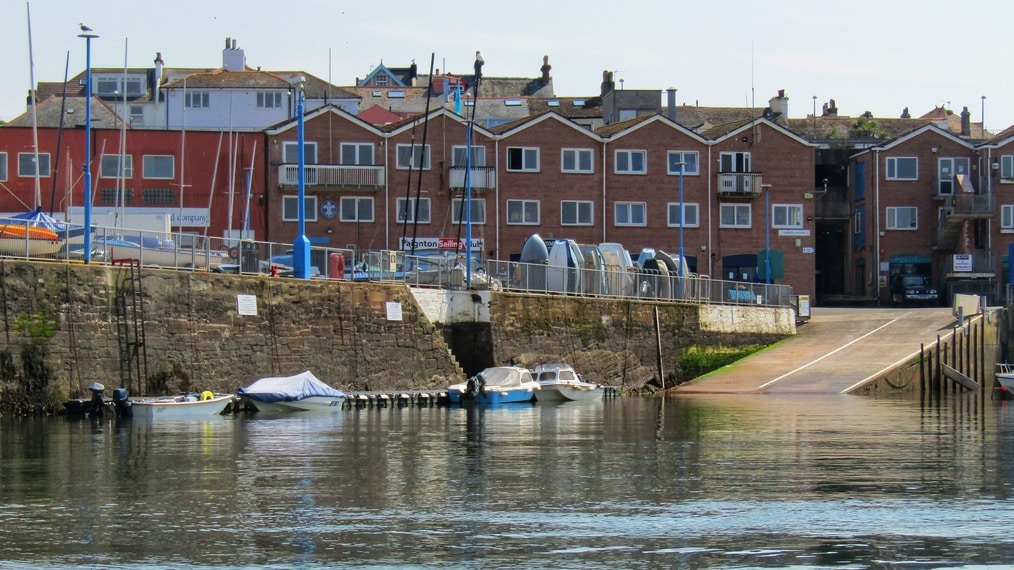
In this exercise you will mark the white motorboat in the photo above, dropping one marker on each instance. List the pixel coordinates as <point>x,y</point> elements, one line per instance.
<point>302,392</point>
<point>495,385</point>
<point>1005,377</point>
<point>559,382</point>
<point>188,406</point>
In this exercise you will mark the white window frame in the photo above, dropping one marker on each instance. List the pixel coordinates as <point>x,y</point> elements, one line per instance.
<point>786,216</point>
<point>891,217</point>
<point>858,222</point>
<point>581,208</point>
<point>1007,169</point>
<point>628,211</point>
<point>957,165</point>
<point>736,162</point>
<point>691,210</point>
<point>528,157</point>
<point>291,202</point>
<point>356,203</point>
<point>742,216</point>
<point>459,157</point>
<point>1007,218</point>
<point>624,161</point>
<point>290,152</point>
<point>575,157</point>
<point>362,153</point>
<point>691,167</point>
<point>528,217</point>
<point>478,207</point>
<point>114,163</point>
<point>151,162</point>
<point>892,163</point>
<point>408,215</point>
<point>197,100</point>
<point>43,167</point>
<point>269,99</point>
<point>412,156</point>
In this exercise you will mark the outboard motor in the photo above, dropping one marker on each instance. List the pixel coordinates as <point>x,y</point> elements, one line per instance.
<point>98,403</point>
<point>121,403</point>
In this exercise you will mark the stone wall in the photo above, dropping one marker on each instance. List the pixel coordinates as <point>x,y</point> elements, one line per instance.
<point>195,338</point>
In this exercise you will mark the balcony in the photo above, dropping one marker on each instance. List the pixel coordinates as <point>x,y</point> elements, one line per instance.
<point>739,185</point>
<point>333,177</point>
<point>480,178</point>
<point>958,209</point>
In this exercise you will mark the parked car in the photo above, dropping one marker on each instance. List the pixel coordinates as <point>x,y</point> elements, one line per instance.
<point>912,289</point>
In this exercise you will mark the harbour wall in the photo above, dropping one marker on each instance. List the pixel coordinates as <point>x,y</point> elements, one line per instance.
<point>164,331</point>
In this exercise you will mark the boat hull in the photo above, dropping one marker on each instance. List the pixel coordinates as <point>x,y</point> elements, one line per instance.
<point>563,392</point>
<point>312,404</point>
<point>179,407</point>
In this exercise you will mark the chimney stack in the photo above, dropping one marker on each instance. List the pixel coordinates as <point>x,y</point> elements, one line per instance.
<point>966,122</point>
<point>670,106</point>
<point>545,70</point>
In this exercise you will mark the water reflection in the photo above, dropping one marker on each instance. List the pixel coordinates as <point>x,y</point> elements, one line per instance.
<point>691,481</point>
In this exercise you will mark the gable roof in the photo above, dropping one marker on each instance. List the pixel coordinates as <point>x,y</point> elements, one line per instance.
<point>624,128</point>
<point>48,114</point>
<point>292,123</point>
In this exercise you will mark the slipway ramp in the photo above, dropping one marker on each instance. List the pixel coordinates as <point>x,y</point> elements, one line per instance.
<point>837,351</point>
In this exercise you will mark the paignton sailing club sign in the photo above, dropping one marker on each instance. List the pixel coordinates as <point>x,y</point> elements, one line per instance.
<point>441,243</point>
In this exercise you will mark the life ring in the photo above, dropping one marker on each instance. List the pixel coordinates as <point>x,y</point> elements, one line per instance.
<point>234,253</point>
<point>207,395</point>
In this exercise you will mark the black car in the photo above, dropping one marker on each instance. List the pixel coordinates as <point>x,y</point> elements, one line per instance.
<point>912,289</point>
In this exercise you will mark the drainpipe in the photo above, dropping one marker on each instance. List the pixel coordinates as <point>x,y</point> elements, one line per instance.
<point>876,218</point>
<point>496,192</point>
<point>711,262</point>
<point>604,213</point>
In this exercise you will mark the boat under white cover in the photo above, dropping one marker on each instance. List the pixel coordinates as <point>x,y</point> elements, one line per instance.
<point>301,392</point>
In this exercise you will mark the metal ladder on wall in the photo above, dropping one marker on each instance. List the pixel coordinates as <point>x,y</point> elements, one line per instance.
<point>129,307</point>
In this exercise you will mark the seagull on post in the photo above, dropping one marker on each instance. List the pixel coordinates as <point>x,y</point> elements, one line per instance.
<point>84,28</point>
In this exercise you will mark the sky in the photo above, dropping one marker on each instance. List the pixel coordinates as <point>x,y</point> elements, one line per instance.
<point>878,56</point>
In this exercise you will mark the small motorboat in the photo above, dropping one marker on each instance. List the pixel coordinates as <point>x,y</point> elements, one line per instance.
<point>188,406</point>
<point>1005,377</point>
<point>302,392</point>
<point>495,385</point>
<point>559,382</point>
<point>25,240</point>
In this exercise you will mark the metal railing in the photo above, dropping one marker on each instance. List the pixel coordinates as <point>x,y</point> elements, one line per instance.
<point>440,270</point>
<point>332,175</point>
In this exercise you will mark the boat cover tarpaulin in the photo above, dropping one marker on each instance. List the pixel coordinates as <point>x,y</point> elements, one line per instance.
<point>289,388</point>
<point>40,219</point>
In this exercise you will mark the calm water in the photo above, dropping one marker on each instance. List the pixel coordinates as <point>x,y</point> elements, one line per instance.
<point>686,482</point>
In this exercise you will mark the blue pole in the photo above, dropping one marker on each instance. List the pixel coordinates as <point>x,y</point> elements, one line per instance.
<point>87,148</point>
<point>301,245</point>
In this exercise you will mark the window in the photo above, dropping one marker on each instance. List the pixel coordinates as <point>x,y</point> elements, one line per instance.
<point>158,197</point>
<point>859,228</point>
<point>631,162</point>
<point>268,100</point>
<point>478,209</point>
<point>136,114</point>
<point>290,208</point>
<point>459,158</point>
<point>902,218</point>
<point>523,212</point>
<point>290,152</point>
<point>577,213</point>
<point>631,213</point>
<point>158,166</point>
<point>734,216</point>
<point>26,164</point>
<point>3,166</point>
<point>688,158</point>
<point>787,215</point>
<point>691,213</point>
<point>407,211</point>
<point>357,154</point>
<point>413,156</point>
<point>947,169</point>
<point>734,162</point>
<point>523,159</point>
<point>107,86</point>
<point>902,168</point>
<point>577,160</point>
<point>1007,218</point>
<point>116,196</point>
<point>1007,168</point>
<point>197,100</point>
<point>356,209</point>
<point>116,166</point>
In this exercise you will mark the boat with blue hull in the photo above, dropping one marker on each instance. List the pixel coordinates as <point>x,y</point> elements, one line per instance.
<point>495,385</point>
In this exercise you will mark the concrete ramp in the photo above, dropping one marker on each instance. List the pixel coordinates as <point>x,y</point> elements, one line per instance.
<point>836,351</point>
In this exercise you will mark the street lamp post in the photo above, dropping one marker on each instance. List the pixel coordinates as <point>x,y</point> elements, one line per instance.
<point>301,245</point>
<point>87,34</point>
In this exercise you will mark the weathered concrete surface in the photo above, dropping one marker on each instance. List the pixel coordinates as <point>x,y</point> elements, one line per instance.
<point>836,352</point>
